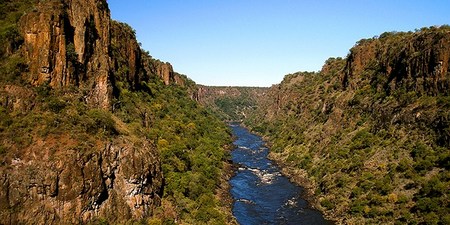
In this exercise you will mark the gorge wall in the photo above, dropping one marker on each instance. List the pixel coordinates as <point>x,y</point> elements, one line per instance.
<point>67,44</point>
<point>75,43</point>
<point>93,129</point>
<point>56,179</point>
<point>368,135</point>
<point>82,113</point>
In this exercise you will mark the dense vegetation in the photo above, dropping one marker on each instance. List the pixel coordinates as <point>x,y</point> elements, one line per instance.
<point>191,141</point>
<point>231,103</point>
<point>373,143</point>
<point>11,63</point>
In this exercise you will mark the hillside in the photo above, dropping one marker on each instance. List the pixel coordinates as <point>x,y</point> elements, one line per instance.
<point>230,103</point>
<point>369,134</point>
<point>95,130</point>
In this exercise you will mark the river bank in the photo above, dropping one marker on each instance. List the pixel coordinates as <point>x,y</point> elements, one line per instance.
<point>262,195</point>
<point>300,178</point>
<point>223,191</point>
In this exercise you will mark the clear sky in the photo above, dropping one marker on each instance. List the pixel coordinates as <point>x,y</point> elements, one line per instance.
<point>257,42</point>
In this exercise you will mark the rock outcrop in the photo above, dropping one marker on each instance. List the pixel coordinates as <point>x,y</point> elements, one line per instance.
<point>67,43</point>
<point>132,66</point>
<point>116,182</point>
<point>165,71</point>
<point>418,62</point>
<point>74,43</point>
<point>66,177</point>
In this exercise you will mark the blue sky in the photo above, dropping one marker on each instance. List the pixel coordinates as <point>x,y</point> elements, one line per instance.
<point>257,42</point>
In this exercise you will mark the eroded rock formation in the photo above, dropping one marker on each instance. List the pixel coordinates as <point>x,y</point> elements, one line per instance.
<point>116,181</point>
<point>67,43</point>
<point>414,61</point>
<point>66,177</point>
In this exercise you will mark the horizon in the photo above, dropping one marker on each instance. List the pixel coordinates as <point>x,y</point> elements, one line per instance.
<point>257,43</point>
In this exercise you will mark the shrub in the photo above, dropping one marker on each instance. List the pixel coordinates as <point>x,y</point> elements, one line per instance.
<point>56,105</point>
<point>100,120</point>
<point>71,53</point>
<point>357,206</point>
<point>11,71</point>
<point>326,204</point>
<point>2,149</point>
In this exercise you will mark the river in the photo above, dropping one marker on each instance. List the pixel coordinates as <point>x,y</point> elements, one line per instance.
<point>262,195</point>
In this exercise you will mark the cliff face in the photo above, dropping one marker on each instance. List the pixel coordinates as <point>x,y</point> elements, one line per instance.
<point>79,171</point>
<point>369,134</point>
<point>88,121</point>
<point>67,43</point>
<point>131,65</point>
<point>74,43</point>
<point>414,61</point>
<point>116,181</point>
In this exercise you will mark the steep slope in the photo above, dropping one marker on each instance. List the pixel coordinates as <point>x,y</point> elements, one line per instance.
<point>93,129</point>
<point>369,134</point>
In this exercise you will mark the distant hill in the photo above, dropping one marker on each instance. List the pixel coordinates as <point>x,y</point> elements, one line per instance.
<point>230,103</point>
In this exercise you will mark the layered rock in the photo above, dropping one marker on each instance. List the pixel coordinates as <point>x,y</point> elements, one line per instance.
<point>165,71</point>
<point>416,61</point>
<point>59,178</point>
<point>116,181</point>
<point>67,43</point>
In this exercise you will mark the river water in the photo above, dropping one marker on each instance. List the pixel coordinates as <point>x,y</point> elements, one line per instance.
<point>261,194</point>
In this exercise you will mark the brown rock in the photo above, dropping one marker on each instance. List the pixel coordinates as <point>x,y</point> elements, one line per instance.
<point>415,61</point>
<point>67,43</point>
<point>16,98</point>
<point>118,182</point>
<point>165,71</point>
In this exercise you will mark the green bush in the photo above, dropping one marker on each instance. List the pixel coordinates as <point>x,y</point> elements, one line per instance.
<point>327,204</point>
<point>100,120</point>
<point>2,149</point>
<point>56,105</point>
<point>11,70</point>
<point>71,54</point>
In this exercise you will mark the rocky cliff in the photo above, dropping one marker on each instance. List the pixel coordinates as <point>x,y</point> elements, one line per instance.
<point>133,66</point>
<point>74,172</point>
<point>44,185</point>
<point>70,43</point>
<point>369,134</point>
<point>89,121</point>
<point>67,43</point>
<point>414,61</point>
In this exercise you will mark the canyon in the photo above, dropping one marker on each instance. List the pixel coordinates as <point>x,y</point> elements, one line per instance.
<point>95,130</point>
<point>368,134</point>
